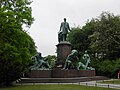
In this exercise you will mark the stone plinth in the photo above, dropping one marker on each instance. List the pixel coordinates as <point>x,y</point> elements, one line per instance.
<point>62,80</point>
<point>63,50</point>
<point>57,73</point>
<point>72,73</point>
<point>40,74</point>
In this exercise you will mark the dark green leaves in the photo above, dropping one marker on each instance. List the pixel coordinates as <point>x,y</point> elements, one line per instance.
<point>16,46</point>
<point>101,37</point>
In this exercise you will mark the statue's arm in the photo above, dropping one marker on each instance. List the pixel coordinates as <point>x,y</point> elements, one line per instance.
<point>69,27</point>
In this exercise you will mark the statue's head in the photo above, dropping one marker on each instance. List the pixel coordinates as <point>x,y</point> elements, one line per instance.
<point>75,52</point>
<point>33,58</point>
<point>64,19</point>
<point>85,51</point>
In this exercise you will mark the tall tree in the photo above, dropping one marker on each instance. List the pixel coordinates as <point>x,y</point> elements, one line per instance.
<point>16,46</point>
<point>106,38</point>
<point>101,36</point>
<point>79,37</point>
<point>15,14</point>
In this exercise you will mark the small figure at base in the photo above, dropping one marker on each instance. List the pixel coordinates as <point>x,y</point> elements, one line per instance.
<point>86,61</point>
<point>39,63</point>
<point>71,60</point>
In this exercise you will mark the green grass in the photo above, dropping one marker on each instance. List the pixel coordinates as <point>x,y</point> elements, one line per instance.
<point>112,82</point>
<point>53,87</point>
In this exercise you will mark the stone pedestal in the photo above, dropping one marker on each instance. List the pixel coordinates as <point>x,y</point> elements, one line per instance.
<point>40,74</point>
<point>72,73</point>
<point>63,50</point>
<point>57,73</point>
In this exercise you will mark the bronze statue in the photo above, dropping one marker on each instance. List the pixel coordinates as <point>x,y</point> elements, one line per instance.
<point>71,60</point>
<point>39,63</point>
<point>84,64</point>
<point>86,59</point>
<point>64,27</point>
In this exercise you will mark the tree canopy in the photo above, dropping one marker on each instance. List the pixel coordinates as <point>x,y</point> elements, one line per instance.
<point>16,46</point>
<point>106,38</point>
<point>101,37</point>
<point>15,14</point>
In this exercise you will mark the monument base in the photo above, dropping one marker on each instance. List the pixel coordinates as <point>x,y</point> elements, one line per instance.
<point>61,76</point>
<point>57,73</point>
<point>72,73</point>
<point>62,80</point>
<point>40,74</point>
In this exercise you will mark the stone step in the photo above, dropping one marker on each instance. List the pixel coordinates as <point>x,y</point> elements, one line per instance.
<point>62,80</point>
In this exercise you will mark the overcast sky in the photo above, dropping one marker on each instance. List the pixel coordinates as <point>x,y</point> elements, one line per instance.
<point>49,14</point>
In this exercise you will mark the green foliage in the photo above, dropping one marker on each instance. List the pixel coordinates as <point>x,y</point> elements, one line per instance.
<point>101,37</point>
<point>79,38</point>
<point>15,13</point>
<point>16,46</point>
<point>75,36</point>
<point>109,68</point>
<point>106,38</point>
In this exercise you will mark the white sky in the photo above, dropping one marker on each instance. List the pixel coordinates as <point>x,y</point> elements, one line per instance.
<point>49,14</point>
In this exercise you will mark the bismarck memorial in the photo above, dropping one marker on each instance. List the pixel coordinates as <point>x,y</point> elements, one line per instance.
<point>68,64</point>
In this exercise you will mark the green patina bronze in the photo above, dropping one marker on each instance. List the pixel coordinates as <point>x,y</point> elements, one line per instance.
<point>62,34</point>
<point>39,63</point>
<point>73,62</point>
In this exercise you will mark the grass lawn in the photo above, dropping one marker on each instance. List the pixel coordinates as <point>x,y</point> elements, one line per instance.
<point>112,81</point>
<point>53,87</point>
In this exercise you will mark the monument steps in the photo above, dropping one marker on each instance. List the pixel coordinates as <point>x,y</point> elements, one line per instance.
<point>62,80</point>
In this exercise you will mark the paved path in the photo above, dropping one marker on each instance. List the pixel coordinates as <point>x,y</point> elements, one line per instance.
<point>90,83</point>
<point>98,84</point>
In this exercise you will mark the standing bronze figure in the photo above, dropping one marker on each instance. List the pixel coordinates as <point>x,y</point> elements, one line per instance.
<point>64,27</point>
